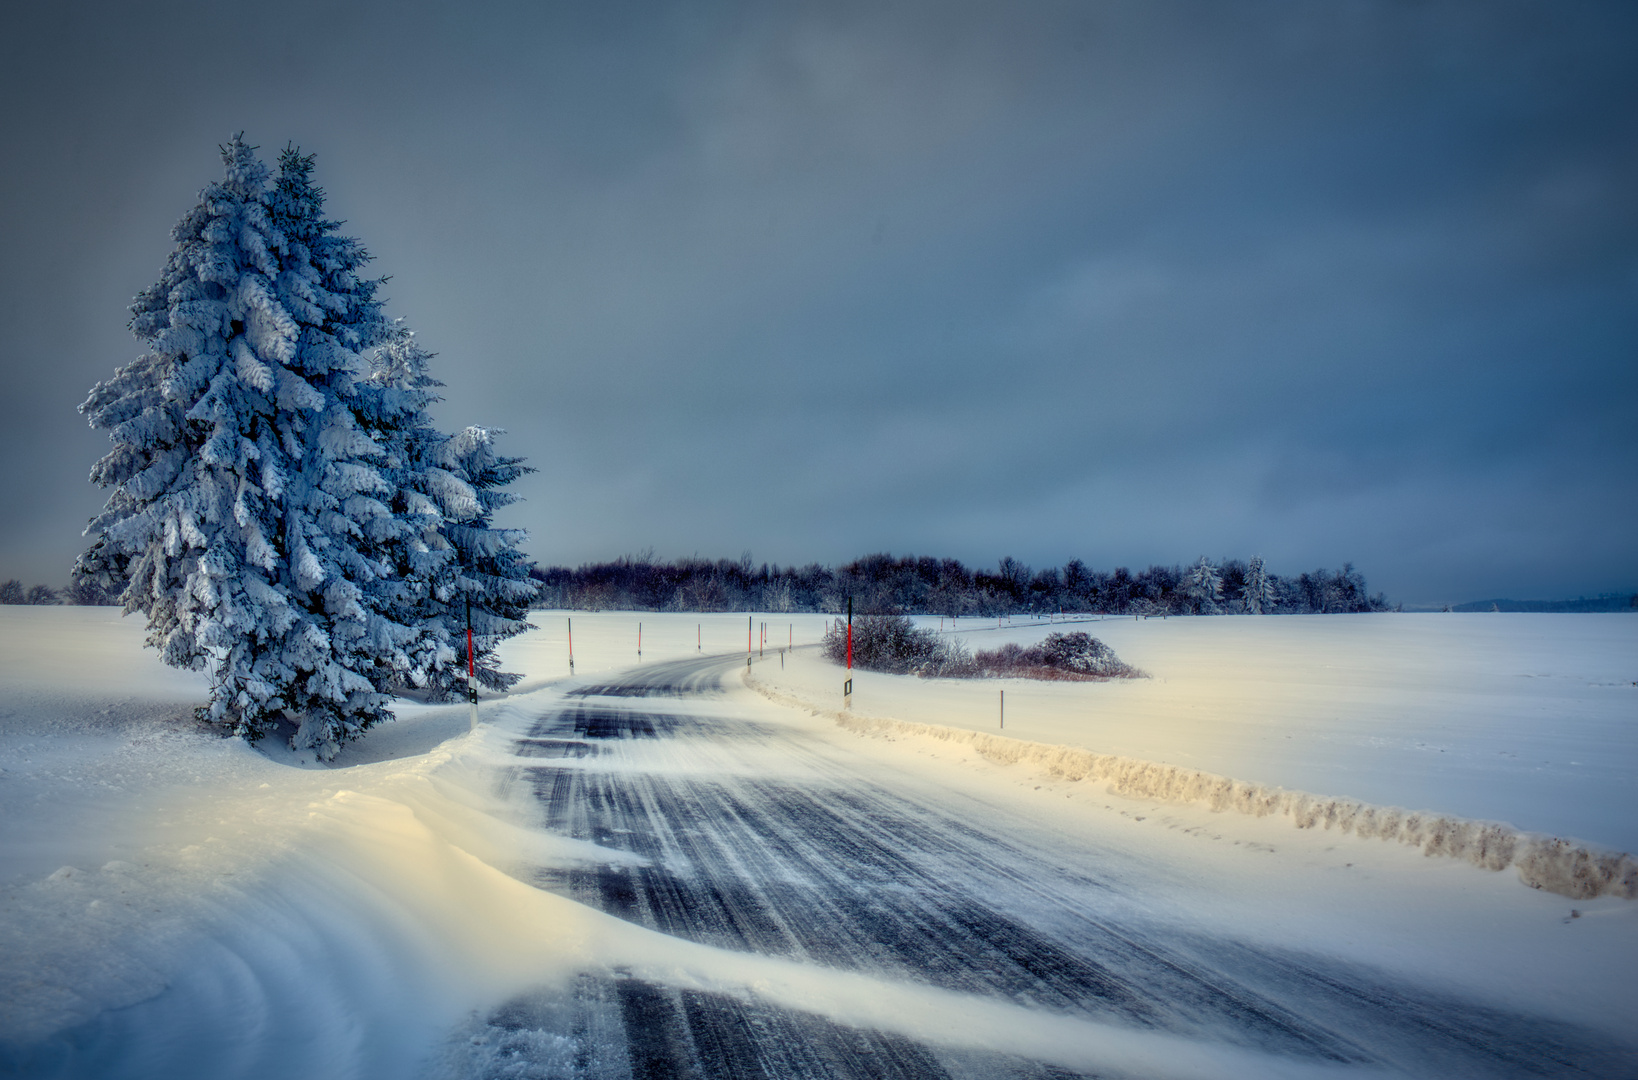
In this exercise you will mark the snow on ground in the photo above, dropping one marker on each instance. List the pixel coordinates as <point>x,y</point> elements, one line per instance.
<point>168,896</point>
<point>145,859</point>
<point>1529,719</point>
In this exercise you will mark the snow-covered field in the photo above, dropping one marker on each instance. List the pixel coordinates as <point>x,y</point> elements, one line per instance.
<point>175,904</point>
<point>1521,718</point>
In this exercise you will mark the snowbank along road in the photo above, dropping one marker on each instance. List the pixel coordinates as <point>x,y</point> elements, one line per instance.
<point>765,838</point>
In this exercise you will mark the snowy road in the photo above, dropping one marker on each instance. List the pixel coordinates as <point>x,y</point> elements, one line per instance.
<point>766,837</point>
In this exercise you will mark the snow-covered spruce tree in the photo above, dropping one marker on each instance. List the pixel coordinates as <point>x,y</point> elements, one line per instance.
<point>1259,590</point>
<point>459,564</point>
<point>494,574</point>
<point>424,563</point>
<point>246,518</point>
<point>1203,585</point>
<point>403,541</point>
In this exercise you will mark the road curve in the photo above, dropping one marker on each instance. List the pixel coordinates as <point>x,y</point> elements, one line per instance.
<point>760,840</point>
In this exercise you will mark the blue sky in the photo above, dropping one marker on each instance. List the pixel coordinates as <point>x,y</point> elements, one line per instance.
<point>1127,282</point>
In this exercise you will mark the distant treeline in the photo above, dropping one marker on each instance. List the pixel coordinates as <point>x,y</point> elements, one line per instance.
<point>83,593</point>
<point>1606,602</point>
<point>881,584</point>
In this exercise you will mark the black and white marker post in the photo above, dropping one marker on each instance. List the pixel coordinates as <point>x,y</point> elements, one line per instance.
<point>847,687</point>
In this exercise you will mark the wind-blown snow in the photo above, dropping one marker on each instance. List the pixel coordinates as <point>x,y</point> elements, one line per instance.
<point>1526,719</point>
<point>173,903</point>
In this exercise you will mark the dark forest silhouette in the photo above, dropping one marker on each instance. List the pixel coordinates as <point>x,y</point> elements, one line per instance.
<point>882,584</point>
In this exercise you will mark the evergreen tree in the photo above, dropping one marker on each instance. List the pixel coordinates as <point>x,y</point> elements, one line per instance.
<point>425,564</point>
<point>1259,590</point>
<point>1204,585</point>
<point>495,586</point>
<point>456,562</point>
<point>246,518</point>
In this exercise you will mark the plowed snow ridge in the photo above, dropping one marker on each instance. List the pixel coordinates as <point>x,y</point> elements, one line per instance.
<point>1557,864</point>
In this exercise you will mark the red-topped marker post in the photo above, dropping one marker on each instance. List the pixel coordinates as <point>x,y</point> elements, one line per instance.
<point>471,669</point>
<point>471,660</point>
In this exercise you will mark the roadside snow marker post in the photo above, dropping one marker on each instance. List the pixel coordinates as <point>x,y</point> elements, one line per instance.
<point>639,641</point>
<point>847,687</point>
<point>1003,710</point>
<point>571,646</point>
<point>471,660</point>
<point>471,668</point>
<point>750,630</point>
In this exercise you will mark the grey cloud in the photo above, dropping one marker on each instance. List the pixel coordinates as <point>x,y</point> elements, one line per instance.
<point>1129,282</point>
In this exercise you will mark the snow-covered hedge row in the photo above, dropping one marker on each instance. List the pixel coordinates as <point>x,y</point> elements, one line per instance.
<point>895,645</point>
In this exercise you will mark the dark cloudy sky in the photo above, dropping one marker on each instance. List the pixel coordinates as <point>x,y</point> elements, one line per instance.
<point>1130,282</point>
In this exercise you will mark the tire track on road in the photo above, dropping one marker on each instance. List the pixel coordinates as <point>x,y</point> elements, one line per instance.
<point>812,861</point>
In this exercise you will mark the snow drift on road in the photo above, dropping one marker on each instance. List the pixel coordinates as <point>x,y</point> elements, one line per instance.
<point>173,903</point>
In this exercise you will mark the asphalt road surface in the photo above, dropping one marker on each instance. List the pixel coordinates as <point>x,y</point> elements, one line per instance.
<point>761,840</point>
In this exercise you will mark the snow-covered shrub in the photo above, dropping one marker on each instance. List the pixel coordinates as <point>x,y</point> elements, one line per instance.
<point>1075,655</point>
<point>892,643</point>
